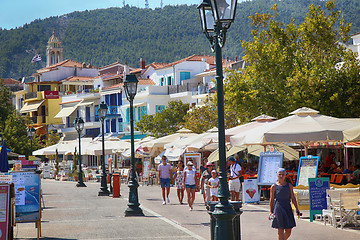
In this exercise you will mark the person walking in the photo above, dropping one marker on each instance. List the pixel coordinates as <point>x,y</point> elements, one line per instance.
<point>213,185</point>
<point>281,214</point>
<point>234,179</point>
<point>179,183</point>
<point>190,183</point>
<point>164,178</point>
<point>205,176</point>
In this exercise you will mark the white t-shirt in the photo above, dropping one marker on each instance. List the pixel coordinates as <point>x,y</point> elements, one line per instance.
<point>190,177</point>
<point>234,172</point>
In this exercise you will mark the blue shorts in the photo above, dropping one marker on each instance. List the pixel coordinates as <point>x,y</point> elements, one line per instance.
<point>190,186</point>
<point>165,182</point>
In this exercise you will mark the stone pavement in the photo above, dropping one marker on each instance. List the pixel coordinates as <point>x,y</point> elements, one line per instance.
<point>78,213</point>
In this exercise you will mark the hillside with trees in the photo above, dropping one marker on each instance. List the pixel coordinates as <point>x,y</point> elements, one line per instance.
<point>103,36</point>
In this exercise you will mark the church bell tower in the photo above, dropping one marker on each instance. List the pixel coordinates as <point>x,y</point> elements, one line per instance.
<point>54,51</point>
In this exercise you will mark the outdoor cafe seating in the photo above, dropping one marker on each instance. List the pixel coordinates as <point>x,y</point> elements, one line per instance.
<point>343,205</point>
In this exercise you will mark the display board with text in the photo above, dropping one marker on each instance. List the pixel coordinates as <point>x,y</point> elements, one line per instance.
<point>27,199</point>
<point>317,195</point>
<point>308,167</point>
<point>269,163</point>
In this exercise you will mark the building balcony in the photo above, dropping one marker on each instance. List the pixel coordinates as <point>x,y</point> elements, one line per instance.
<point>194,88</point>
<point>38,119</point>
<point>114,110</point>
<point>34,96</point>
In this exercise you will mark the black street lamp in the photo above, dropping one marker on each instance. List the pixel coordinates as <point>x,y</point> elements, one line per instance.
<point>130,87</point>
<point>79,126</point>
<point>102,111</point>
<point>31,133</point>
<point>216,17</point>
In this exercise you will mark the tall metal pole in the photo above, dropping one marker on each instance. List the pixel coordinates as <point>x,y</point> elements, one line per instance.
<point>133,205</point>
<point>224,212</point>
<point>103,189</point>
<point>31,150</point>
<point>80,176</point>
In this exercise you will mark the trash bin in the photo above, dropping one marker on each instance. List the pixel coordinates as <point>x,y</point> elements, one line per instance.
<point>116,185</point>
<point>236,221</point>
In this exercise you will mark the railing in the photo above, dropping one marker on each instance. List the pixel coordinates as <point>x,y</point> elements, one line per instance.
<point>113,110</point>
<point>38,119</point>
<point>187,87</point>
<point>30,95</point>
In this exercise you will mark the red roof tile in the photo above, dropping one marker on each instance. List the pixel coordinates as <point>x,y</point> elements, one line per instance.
<point>77,79</point>
<point>10,81</point>
<point>65,63</point>
<point>142,81</point>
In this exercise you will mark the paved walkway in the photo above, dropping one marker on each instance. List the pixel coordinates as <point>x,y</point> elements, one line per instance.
<point>78,213</point>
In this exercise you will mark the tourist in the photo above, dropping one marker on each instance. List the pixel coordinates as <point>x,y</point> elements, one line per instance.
<point>234,179</point>
<point>164,178</point>
<point>190,183</point>
<point>329,160</point>
<point>178,179</point>
<point>213,185</point>
<point>281,193</point>
<point>205,176</point>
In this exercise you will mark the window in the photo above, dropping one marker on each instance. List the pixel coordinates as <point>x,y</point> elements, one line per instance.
<point>107,126</point>
<point>159,108</point>
<point>113,100</point>
<point>96,107</point>
<point>141,112</point>
<point>162,81</point>
<point>44,88</point>
<point>113,125</point>
<point>107,100</point>
<point>119,97</point>
<point>87,114</point>
<point>170,81</point>
<point>184,76</point>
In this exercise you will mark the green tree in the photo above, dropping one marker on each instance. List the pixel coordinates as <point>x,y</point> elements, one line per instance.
<point>166,122</point>
<point>5,104</point>
<point>294,66</point>
<point>52,138</point>
<point>201,119</point>
<point>15,133</point>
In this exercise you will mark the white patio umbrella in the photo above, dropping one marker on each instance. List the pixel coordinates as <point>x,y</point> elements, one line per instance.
<point>304,126</point>
<point>290,154</point>
<point>352,134</point>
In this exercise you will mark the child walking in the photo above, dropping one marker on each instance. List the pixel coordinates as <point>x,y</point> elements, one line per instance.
<point>213,184</point>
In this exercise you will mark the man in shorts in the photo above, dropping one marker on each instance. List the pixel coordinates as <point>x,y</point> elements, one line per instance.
<point>164,178</point>
<point>234,179</point>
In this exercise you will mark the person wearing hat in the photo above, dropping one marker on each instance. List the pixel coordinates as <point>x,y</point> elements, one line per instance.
<point>234,179</point>
<point>205,176</point>
<point>190,182</point>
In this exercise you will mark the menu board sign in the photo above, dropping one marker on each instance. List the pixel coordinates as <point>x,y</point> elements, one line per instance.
<point>307,169</point>
<point>4,211</point>
<point>146,167</point>
<point>269,163</point>
<point>27,199</point>
<point>317,195</point>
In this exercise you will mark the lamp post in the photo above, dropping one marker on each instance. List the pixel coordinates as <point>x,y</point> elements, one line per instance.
<point>102,111</point>
<point>216,17</point>
<point>130,87</point>
<point>79,126</point>
<point>31,133</point>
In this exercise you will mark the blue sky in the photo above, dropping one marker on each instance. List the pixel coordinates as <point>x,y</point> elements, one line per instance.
<point>15,13</point>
